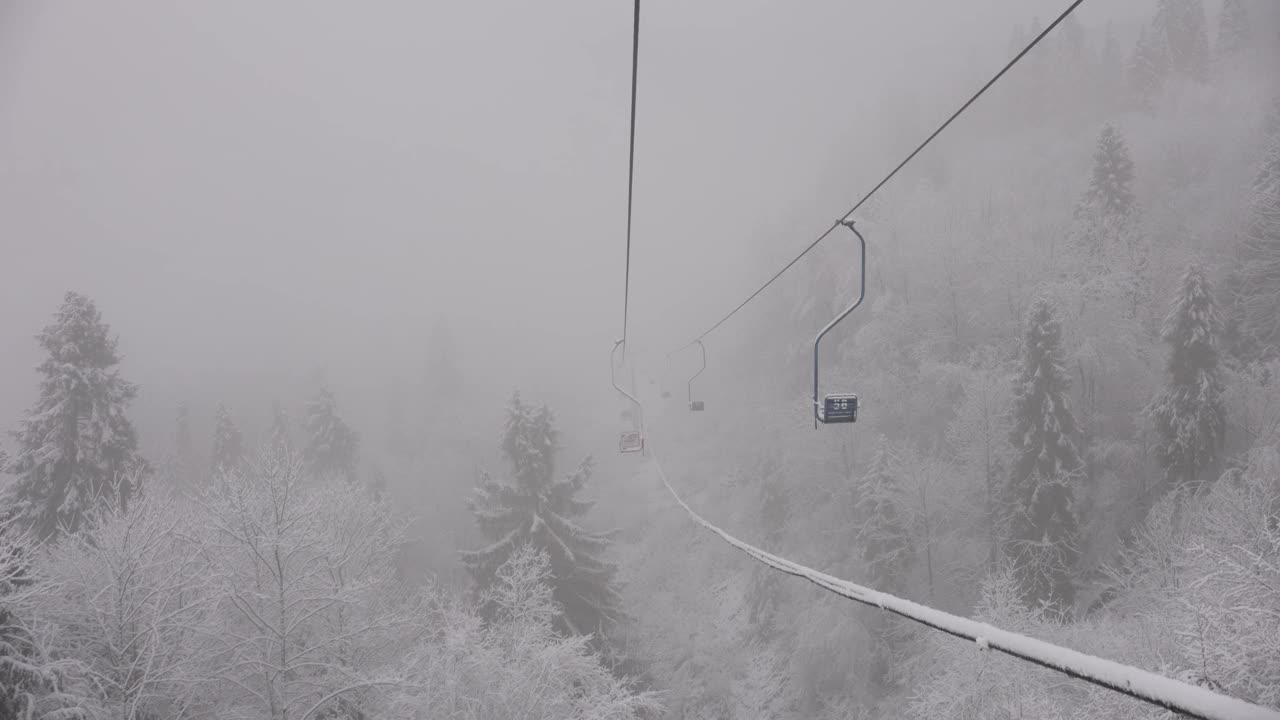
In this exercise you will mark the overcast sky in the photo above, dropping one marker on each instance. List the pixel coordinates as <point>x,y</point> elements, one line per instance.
<point>250,189</point>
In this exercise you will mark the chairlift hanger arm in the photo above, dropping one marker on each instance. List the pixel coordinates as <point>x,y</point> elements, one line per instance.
<point>862,293</point>
<point>695,375</point>
<point>613,378</point>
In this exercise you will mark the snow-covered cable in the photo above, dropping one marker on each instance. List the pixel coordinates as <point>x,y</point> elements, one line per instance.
<point>1196,702</point>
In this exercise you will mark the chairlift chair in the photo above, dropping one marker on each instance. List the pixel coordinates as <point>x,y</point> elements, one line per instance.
<point>839,407</point>
<point>697,405</point>
<point>632,440</point>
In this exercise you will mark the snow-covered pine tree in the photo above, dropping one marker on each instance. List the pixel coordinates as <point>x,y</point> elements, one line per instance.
<point>1233,30</point>
<point>1148,68</point>
<point>1181,25</point>
<point>1109,187</point>
<point>883,537</point>
<point>1259,289</point>
<point>537,508</point>
<point>75,444</point>
<point>1190,412</point>
<point>228,443</point>
<point>332,445</point>
<point>1043,530</point>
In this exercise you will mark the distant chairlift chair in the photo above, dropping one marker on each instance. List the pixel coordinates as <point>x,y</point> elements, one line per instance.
<point>697,405</point>
<point>633,440</point>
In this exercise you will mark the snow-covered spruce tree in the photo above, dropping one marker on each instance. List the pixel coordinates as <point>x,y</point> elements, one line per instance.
<point>1043,542</point>
<point>332,445</point>
<point>1148,68</point>
<point>1259,288</point>
<point>1190,412</point>
<point>537,508</point>
<point>1181,25</point>
<point>76,442</point>
<point>1109,187</point>
<point>1106,208</point>
<point>884,540</point>
<point>228,443</point>
<point>1233,30</point>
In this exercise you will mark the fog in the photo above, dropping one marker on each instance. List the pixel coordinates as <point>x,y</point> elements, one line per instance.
<point>250,190</point>
<point>1069,424</point>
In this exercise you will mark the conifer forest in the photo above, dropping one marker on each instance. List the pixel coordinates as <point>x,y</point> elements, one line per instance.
<point>306,412</point>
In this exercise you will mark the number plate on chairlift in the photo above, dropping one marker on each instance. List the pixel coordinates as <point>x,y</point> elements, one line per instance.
<point>696,406</point>
<point>842,408</point>
<point>631,442</point>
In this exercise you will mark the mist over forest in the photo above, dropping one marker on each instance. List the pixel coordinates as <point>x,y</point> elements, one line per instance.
<point>307,398</point>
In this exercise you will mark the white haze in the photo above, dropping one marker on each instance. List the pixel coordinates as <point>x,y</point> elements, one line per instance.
<point>261,195</point>
<point>250,190</point>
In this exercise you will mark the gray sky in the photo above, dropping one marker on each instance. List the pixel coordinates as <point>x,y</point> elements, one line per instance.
<point>250,189</point>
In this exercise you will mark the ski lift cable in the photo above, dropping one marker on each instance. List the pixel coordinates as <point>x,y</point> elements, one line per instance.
<point>629,441</point>
<point>1149,687</point>
<point>631,164</point>
<point>892,173</point>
